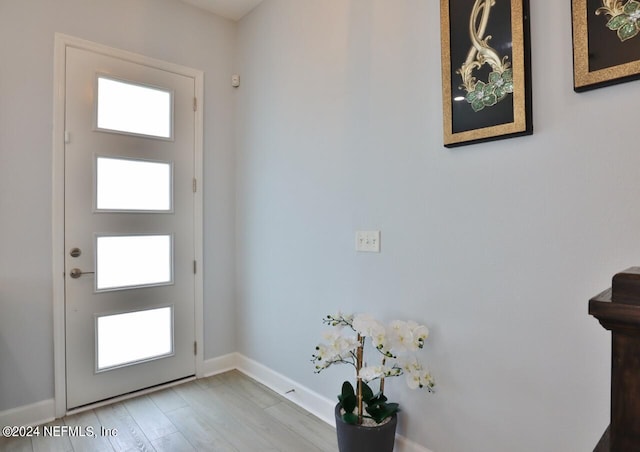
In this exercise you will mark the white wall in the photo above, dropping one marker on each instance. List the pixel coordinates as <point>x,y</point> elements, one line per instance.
<point>163,29</point>
<point>496,246</point>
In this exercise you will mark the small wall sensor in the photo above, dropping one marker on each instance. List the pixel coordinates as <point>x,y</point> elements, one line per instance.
<point>235,80</point>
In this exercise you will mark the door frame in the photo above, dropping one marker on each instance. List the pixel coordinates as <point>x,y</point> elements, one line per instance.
<point>62,42</point>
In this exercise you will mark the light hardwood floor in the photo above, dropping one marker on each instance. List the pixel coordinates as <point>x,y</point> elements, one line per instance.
<point>227,412</point>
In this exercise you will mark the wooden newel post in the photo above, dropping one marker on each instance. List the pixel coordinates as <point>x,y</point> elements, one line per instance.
<point>618,310</point>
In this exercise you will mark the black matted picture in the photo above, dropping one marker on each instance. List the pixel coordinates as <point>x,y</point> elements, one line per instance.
<point>486,74</point>
<point>606,42</point>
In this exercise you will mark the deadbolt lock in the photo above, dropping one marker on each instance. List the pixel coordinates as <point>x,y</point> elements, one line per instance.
<point>75,252</point>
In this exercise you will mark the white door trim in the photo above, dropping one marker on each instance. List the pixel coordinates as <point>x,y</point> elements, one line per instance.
<point>61,43</point>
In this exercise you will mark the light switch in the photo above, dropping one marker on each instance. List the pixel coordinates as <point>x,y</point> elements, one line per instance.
<point>368,241</point>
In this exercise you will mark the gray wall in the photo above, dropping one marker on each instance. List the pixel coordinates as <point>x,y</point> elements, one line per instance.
<point>164,29</point>
<point>496,247</point>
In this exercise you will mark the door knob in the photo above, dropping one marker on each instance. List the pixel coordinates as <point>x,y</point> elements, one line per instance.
<point>75,273</point>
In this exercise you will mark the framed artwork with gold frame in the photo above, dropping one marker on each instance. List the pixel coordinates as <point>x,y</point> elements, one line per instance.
<point>606,42</point>
<point>486,74</point>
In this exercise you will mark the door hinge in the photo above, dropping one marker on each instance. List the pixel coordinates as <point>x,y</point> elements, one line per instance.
<point>67,137</point>
<point>195,348</point>
<point>195,185</point>
<point>195,267</point>
<point>195,104</point>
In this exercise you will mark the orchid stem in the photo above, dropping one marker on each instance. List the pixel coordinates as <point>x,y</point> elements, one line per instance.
<point>359,382</point>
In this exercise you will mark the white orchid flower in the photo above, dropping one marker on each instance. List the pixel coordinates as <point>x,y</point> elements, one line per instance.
<point>321,353</point>
<point>322,358</point>
<point>367,326</point>
<point>411,365</point>
<point>428,381</point>
<point>420,334</point>
<point>370,373</point>
<point>420,379</point>
<point>401,336</point>
<point>348,344</point>
<point>393,371</point>
<point>413,380</point>
<point>342,346</point>
<point>380,342</point>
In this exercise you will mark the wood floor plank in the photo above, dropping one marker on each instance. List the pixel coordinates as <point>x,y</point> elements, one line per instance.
<point>121,430</point>
<point>217,414</point>
<point>15,444</point>
<point>319,433</point>
<point>218,379</point>
<point>250,389</point>
<point>167,400</point>
<point>175,442</point>
<point>196,430</point>
<point>85,423</point>
<point>278,435</point>
<point>51,443</point>
<point>225,413</point>
<point>153,422</point>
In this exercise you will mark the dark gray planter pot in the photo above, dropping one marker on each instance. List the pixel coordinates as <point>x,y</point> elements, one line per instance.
<point>356,438</point>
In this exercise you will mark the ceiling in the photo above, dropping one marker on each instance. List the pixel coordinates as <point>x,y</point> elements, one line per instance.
<point>231,9</point>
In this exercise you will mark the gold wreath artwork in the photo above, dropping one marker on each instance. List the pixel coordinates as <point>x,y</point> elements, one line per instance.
<point>625,17</point>
<point>482,94</point>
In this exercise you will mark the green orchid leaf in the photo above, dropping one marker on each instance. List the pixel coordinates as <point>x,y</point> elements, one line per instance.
<point>367,393</point>
<point>617,21</point>
<point>347,389</point>
<point>350,418</point>
<point>627,31</point>
<point>380,412</point>
<point>381,397</point>
<point>347,398</point>
<point>349,404</point>
<point>375,413</point>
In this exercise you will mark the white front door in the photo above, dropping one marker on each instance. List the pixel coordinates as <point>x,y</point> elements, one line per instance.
<point>129,226</point>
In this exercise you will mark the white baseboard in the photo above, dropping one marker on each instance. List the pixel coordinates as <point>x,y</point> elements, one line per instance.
<point>221,364</point>
<point>34,414</point>
<point>309,400</point>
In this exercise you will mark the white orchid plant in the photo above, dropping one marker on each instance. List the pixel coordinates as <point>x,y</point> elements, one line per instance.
<point>394,346</point>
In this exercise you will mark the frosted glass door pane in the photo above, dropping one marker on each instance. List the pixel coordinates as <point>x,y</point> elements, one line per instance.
<point>124,184</point>
<point>130,108</point>
<point>133,261</point>
<point>133,337</point>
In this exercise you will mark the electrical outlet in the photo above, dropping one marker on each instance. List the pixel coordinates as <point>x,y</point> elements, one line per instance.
<point>368,241</point>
